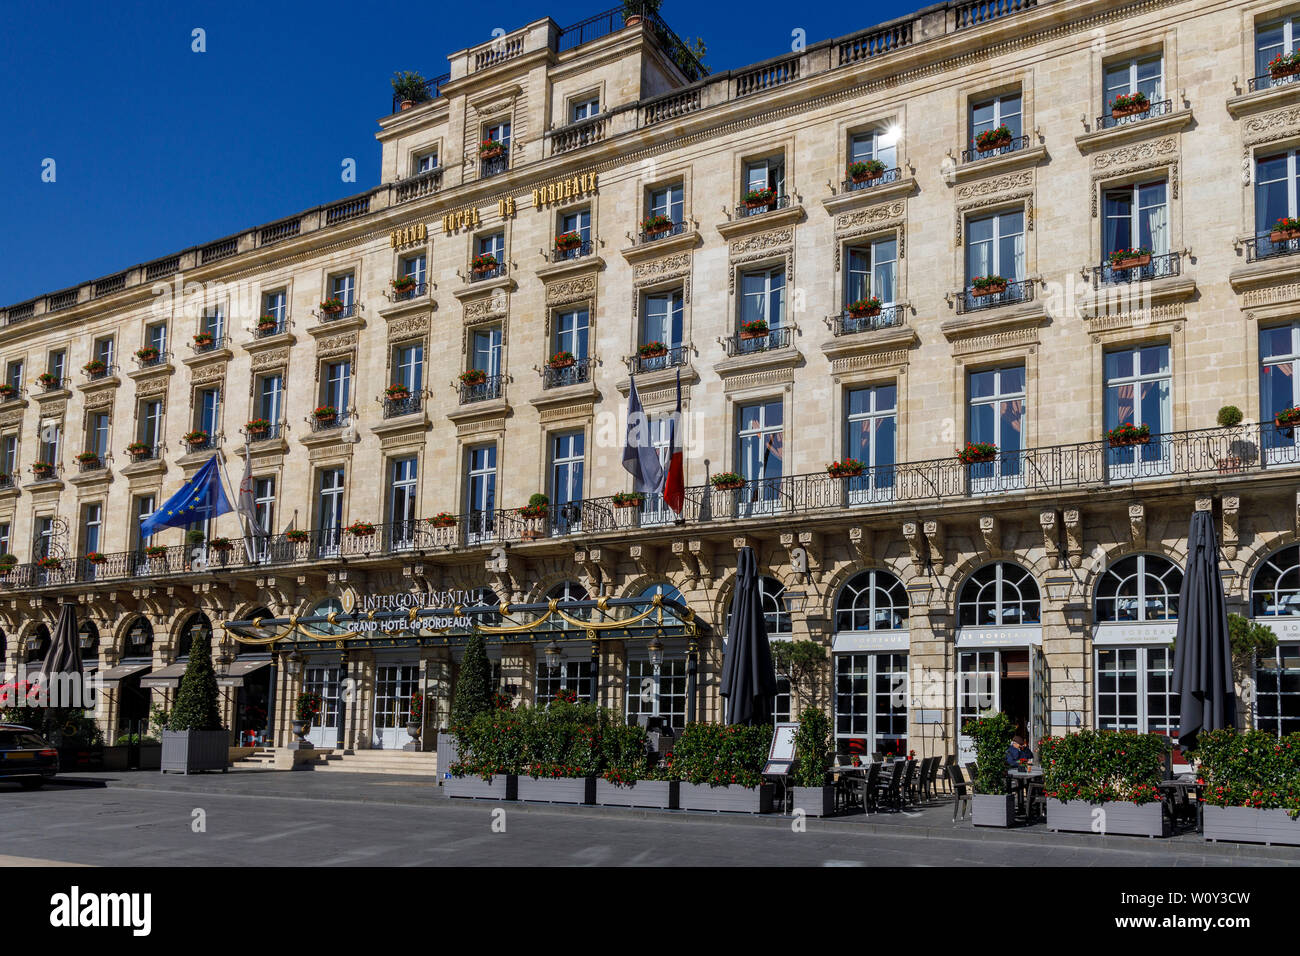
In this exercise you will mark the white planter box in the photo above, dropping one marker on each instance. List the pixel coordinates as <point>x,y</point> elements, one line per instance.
<point>500,787</point>
<point>653,794</point>
<point>1249,825</point>
<point>815,801</point>
<point>993,809</point>
<point>557,789</point>
<point>1112,817</point>
<point>729,799</point>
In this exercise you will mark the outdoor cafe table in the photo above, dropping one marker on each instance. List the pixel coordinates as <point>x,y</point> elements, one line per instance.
<point>1024,781</point>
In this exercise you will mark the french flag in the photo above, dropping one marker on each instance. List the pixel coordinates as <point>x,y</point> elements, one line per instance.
<point>674,483</point>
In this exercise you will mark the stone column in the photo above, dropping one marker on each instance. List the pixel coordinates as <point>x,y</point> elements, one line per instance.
<point>931,703</point>
<point>361,709</point>
<point>1067,645</point>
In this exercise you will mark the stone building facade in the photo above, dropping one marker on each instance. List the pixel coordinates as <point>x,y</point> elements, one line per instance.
<point>1043,582</point>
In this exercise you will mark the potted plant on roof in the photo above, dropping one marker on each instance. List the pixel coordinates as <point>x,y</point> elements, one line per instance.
<point>634,11</point>
<point>398,392</point>
<point>473,376</point>
<point>483,262</point>
<point>813,791</point>
<point>759,198</point>
<point>1287,419</point>
<point>1122,259</point>
<point>194,739</point>
<point>305,714</point>
<point>754,329</point>
<point>727,481</point>
<point>491,149</point>
<point>864,307</point>
<point>324,414</point>
<point>653,349</point>
<point>987,285</point>
<point>1107,782</point>
<point>410,88</point>
<point>568,241</point>
<point>331,306</point>
<point>1126,104</point>
<point>991,139</point>
<point>267,324</point>
<point>628,499</point>
<point>1128,434</point>
<point>993,804</point>
<point>561,359</point>
<point>1285,229</point>
<point>977,453</point>
<point>865,171</point>
<point>655,224</point>
<point>94,367</point>
<point>848,468</point>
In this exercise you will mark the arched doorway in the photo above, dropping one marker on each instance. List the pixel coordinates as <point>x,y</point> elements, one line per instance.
<point>323,674</point>
<point>134,663</point>
<point>870,656</point>
<point>572,671</point>
<point>1275,603</point>
<point>250,678</point>
<point>1000,651</point>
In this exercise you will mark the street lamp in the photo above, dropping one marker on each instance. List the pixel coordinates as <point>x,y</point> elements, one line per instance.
<point>223,656</point>
<point>553,655</point>
<point>656,649</point>
<point>794,601</point>
<point>294,663</point>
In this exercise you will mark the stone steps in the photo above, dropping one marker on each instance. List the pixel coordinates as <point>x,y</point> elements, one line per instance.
<point>377,761</point>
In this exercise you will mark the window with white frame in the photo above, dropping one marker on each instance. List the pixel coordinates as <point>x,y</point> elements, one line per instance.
<point>568,455</point>
<point>571,331</point>
<point>276,305</point>
<point>424,162</point>
<point>760,441</point>
<point>413,268</point>
<point>1279,364</point>
<point>143,506</point>
<point>871,429</point>
<point>775,617</point>
<point>9,454</point>
<point>97,424</point>
<point>57,365</point>
<point>408,366</point>
<point>571,676</point>
<point>998,594</point>
<point>329,504</point>
<point>766,173</point>
<point>1273,39</point>
<point>43,541</point>
<point>995,246</point>
<point>1131,75</point>
<point>5,531</point>
<point>1277,690</point>
<point>1135,690</point>
<point>214,322</point>
<point>1276,176</point>
<point>270,397</point>
<point>579,221</point>
<point>498,133</point>
<point>207,410</point>
<point>871,703</point>
<point>481,480</point>
<point>150,419</point>
<point>662,318</point>
<point>486,356</point>
<point>155,337</point>
<point>104,350</point>
<point>871,271</point>
<point>1139,588</point>
<point>51,442</point>
<point>660,693</point>
<point>762,296</point>
<point>878,144</point>
<point>988,114</point>
<point>264,503</point>
<point>872,601</point>
<point>667,201</point>
<point>584,107</point>
<point>344,288</point>
<point>997,409</point>
<point>92,524</point>
<point>14,375</point>
<point>402,507</point>
<point>1136,217</point>
<point>493,244</point>
<point>336,385</point>
<point>1138,385</point>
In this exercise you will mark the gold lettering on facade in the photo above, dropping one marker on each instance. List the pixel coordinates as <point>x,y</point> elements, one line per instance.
<point>453,221</point>
<point>409,235</point>
<point>563,190</point>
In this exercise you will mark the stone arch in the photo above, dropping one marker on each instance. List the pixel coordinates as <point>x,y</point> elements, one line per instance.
<point>959,583</point>
<point>1092,569</point>
<point>1252,558</point>
<point>181,626</point>
<point>949,584</point>
<point>122,630</point>
<point>536,593</point>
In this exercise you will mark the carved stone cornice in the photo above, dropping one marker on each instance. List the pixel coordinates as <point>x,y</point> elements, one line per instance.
<point>1136,157</point>
<point>869,349</point>
<point>994,330</point>
<point>555,270</point>
<point>270,358</point>
<point>994,191</point>
<point>996,165</point>
<point>1243,104</point>
<point>410,327</point>
<point>337,345</point>
<point>760,221</point>
<point>262,343</point>
<point>485,287</point>
<point>1271,126</point>
<point>570,289</point>
<point>1172,122</point>
<point>845,202</point>
<point>765,246</point>
<point>485,310</point>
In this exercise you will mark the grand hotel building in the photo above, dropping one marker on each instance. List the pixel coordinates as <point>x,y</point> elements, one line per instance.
<point>1050,574</point>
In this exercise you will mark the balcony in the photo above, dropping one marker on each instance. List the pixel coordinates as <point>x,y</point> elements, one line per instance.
<point>746,210</point>
<point>974,154</point>
<point>397,407</point>
<point>578,373</point>
<point>1262,246</point>
<point>85,465</point>
<point>161,359</point>
<point>269,329</point>
<point>889,176</point>
<point>406,295</point>
<point>348,311</point>
<point>101,374</point>
<point>215,344</point>
<point>675,357</point>
<point>486,390</point>
<point>200,442</point>
<point>418,186</point>
<point>45,471</point>
<point>433,86</point>
<point>778,338</point>
<point>556,256</point>
<point>141,452</point>
<point>577,135</point>
<point>496,271</point>
<point>889,317</point>
<point>1267,81</point>
<point>1015,292</point>
<point>676,229</point>
<point>48,382</point>
<point>1160,267</point>
<point>328,424</point>
<point>8,481</point>
<point>1111,121</point>
<point>494,166</point>
<point>271,433</point>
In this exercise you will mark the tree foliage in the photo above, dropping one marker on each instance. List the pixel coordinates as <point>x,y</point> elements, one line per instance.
<point>473,685</point>
<point>196,701</point>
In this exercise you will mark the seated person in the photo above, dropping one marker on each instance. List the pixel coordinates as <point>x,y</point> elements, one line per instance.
<point>1019,750</point>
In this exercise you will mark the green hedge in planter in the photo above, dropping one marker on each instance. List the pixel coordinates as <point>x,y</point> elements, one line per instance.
<point>992,736</point>
<point>812,744</point>
<point>623,755</point>
<point>1251,769</point>
<point>720,754</point>
<point>1103,765</point>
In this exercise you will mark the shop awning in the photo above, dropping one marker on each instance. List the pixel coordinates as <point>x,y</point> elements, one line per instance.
<point>239,670</point>
<point>169,676</point>
<point>112,676</point>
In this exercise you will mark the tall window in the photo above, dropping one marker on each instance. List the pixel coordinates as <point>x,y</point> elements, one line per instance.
<point>481,488</point>
<point>1144,74</point>
<point>989,114</point>
<point>1138,382</point>
<point>14,376</point>
<point>344,288</point>
<point>208,406</point>
<point>872,601</point>
<point>150,422</point>
<point>995,246</point>
<point>329,505</point>
<point>1136,217</point>
<point>1277,690</point>
<point>337,386</point>
<point>762,296</point>
<point>997,595</point>
<point>58,365</point>
<point>567,458</point>
<point>1135,690</point>
<point>155,336</point>
<point>487,351</point>
<point>408,365</point>
<point>5,529</point>
<point>871,704</point>
<point>97,434</point>
<point>1276,176</point>
<point>877,144</point>
<point>264,503</point>
<point>571,333</point>
<point>402,498</point>
<point>92,523</point>
<point>663,319</point>
<point>413,267</point>
<point>214,322</point>
<point>578,221</point>
<point>9,454</point>
<point>657,694</point>
<point>43,542</point>
<point>870,436</point>
<point>270,398</point>
<point>1277,38</point>
<point>1137,588</point>
<point>276,305</point>
<point>766,173</point>
<point>871,271</point>
<point>667,201</point>
<point>51,442</point>
<point>104,350</point>
<point>760,443</point>
<point>997,411</point>
<point>144,505</point>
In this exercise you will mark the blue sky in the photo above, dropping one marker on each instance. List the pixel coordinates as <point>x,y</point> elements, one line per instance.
<point>158,148</point>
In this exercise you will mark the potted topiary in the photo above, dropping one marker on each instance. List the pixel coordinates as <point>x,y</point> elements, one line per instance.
<point>308,710</point>
<point>727,481</point>
<point>410,88</point>
<point>993,804</point>
<point>1127,104</point>
<point>1230,416</point>
<point>813,791</point>
<point>7,562</point>
<point>195,537</point>
<point>992,139</point>
<point>476,752</point>
<point>194,739</point>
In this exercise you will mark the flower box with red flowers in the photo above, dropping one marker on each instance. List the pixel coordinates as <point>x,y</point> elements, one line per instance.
<point>483,262</point>
<point>7,392</point>
<point>1250,786</point>
<point>629,499</point>
<point>147,354</point>
<point>49,563</point>
<point>331,306</point>
<point>758,198</point>
<point>42,469</point>
<point>1128,434</point>
<point>360,529</point>
<point>977,453</point>
<point>533,512</point>
<point>561,360</point>
<point>1287,419</point>
<point>94,367</point>
<point>1106,777</point>
<point>653,225</point>
<point>754,329</point>
<point>257,427</point>
<point>866,170</point>
<point>490,149</point>
<point>137,448</point>
<point>96,557</point>
<point>1126,104</point>
<point>88,457</point>
<point>203,340</point>
<point>443,519</point>
<point>987,285</point>
<point>267,323</point>
<point>402,283</point>
<point>298,535</point>
<point>1122,259</point>
<point>473,376</point>
<point>196,437</point>
<point>848,468</point>
<point>1285,229</point>
<point>220,544</point>
<point>48,380</point>
<point>992,139</point>
<point>324,413</point>
<point>652,350</point>
<point>727,481</point>
<point>568,241</point>
<point>155,551</point>
<point>864,307</point>
<point>397,391</point>
<point>1284,64</point>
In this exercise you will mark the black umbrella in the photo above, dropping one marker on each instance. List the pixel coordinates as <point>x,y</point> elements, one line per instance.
<point>1202,653</point>
<point>63,657</point>
<point>748,677</point>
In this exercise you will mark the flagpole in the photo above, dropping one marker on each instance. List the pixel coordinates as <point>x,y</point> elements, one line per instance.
<point>243,521</point>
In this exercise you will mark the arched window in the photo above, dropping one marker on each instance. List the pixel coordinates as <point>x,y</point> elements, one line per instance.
<point>1275,592</point>
<point>324,608</point>
<point>139,639</point>
<point>566,592</point>
<point>774,613</point>
<point>199,620</point>
<point>1139,587</point>
<point>253,615</point>
<point>669,592</point>
<point>38,645</point>
<point>871,601</point>
<point>998,595</point>
<point>486,597</point>
<point>88,635</point>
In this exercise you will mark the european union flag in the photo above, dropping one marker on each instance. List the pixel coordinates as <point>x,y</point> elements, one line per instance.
<point>201,498</point>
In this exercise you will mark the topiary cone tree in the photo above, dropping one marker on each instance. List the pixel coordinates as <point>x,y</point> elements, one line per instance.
<point>196,701</point>
<point>473,684</point>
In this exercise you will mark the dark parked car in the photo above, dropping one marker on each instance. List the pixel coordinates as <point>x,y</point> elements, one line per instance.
<point>26,756</point>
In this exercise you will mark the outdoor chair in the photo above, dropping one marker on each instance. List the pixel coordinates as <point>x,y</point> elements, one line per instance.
<point>869,803</point>
<point>970,770</point>
<point>889,792</point>
<point>920,781</point>
<point>930,780</point>
<point>908,772</point>
<point>961,791</point>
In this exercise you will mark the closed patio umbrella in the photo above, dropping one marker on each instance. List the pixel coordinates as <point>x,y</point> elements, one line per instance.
<point>1202,653</point>
<point>748,677</point>
<point>63,657</point>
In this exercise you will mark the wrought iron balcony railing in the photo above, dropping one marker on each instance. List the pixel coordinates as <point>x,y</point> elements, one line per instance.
<point>491,272</point>
<point>413,291</point>
<point>675,229</point>
<point>1266,81</point>
<point>778,338</point>
<point>851,185</point>
<point>482,391</point>
<point>148,453</point>
<point>888,317</point>
<point>673,357</point>
<point>745,210</point>
<point>347,312</point>
<point>337,420</point>
<point>576,374</point>
<point>397,407</point>
<point>1262,246</point>
<point>274,431</point>
<point>108,371</point>
<point>162,358</point>
<point>218,342</point>
<point>1160,267</point>
<point>266,331</point>
<point>573,252</point>
<point>1018,291</point>
<point>1110,120</point>
<point>974,153</point>
<point>494,166</point>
